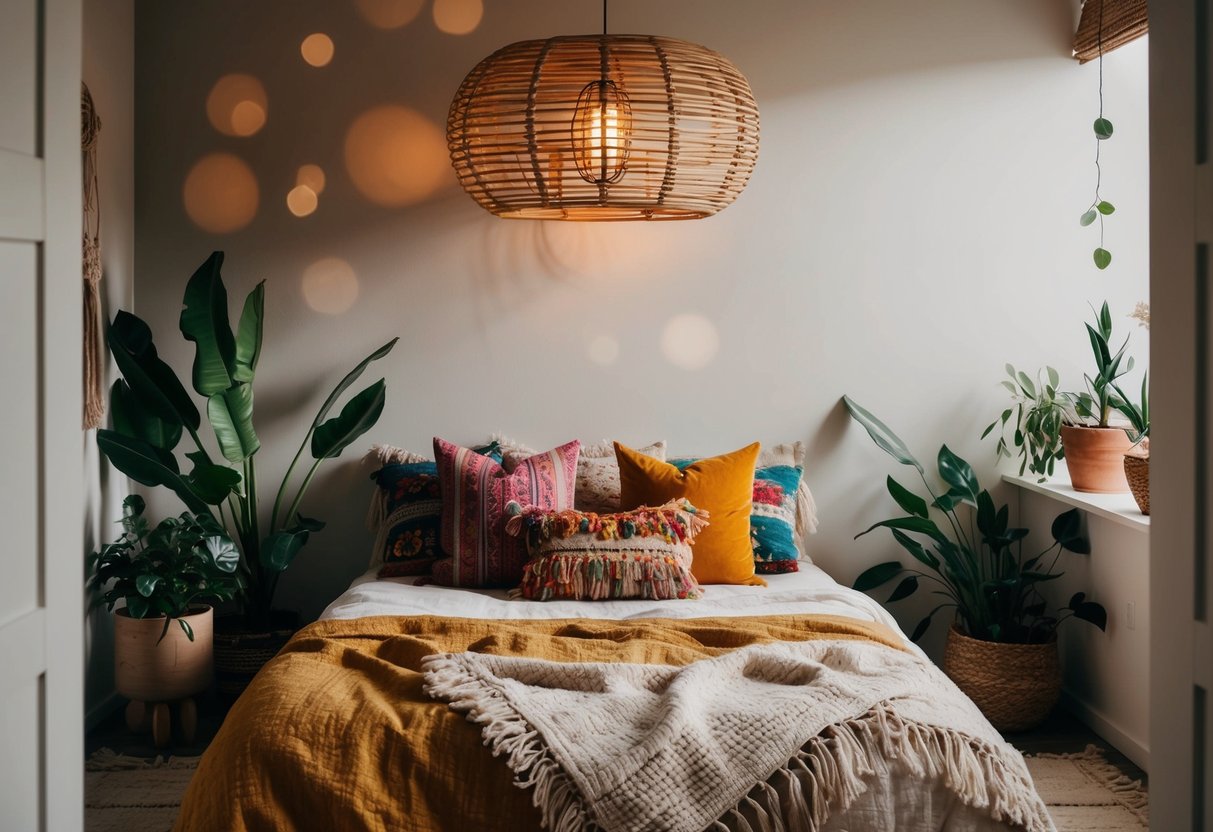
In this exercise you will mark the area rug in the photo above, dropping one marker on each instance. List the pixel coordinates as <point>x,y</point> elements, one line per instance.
<point>123,793</point>
<point>1084,791</point>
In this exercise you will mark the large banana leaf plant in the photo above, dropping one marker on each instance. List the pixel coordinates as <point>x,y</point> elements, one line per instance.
<point>151,411</point>
<point>979,569</point>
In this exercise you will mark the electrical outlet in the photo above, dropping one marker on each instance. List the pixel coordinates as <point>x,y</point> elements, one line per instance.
<point>1131,616</point>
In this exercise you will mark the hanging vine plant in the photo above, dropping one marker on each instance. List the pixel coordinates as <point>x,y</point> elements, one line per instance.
<point>1100,207</point>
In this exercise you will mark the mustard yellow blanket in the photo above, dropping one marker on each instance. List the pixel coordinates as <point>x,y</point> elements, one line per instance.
<point>336,733</point>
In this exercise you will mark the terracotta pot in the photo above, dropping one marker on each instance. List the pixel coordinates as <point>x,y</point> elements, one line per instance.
<point>241,651</point>
<point>149,669</point>
<point>1016,686</point>
<point>1095,458</point>
<point>1137,472</point>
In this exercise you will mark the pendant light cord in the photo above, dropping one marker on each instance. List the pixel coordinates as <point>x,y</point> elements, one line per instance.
<point>604,17</point>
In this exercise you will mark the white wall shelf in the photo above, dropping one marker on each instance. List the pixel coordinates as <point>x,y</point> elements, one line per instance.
<point>1119,508</point>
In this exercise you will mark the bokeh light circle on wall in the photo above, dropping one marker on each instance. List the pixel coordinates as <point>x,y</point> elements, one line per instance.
<point>237,105</point>
<point>301,200</point>
<point>458,17</point>
<point>690,341</point>
<point>220,193</point>
<point>389,14</point>
<point>317,49</point>
<point>330,286</point>
<point>395,156</point>
<point>312,176</point>
<point>603,349</point>
<point>683,147</point>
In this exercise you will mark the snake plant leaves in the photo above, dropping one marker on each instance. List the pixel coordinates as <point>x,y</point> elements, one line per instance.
<point>204,321</point>
<point>352,376</point>
<point>231,414</point>
<point>1103,258</point>
<point>908,500</point>
<point>879,574</point>
<point>223,552</point>
<point>1103,128</point>
<point>882,435</point>
<point>280,548</point>
<point>131,419</point>
<point>1088,218</point>
<point>905,589</point>
<point>148,465</point>
<point>959,475</point>
<point>154,384</point>
<point>356,418</point>
<point>248,334</point>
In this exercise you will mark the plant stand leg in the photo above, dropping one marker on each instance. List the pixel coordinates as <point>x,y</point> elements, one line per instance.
<point>162,730</point>
<point>138,717</point>
<point>188,714</point>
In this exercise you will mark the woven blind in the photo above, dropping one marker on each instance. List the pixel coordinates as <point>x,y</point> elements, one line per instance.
<point>1123,21</point>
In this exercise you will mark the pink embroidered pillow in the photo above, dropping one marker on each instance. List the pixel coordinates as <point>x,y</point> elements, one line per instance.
<point>475,493</point>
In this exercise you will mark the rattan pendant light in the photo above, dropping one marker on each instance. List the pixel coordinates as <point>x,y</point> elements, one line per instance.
<point>604,127</point>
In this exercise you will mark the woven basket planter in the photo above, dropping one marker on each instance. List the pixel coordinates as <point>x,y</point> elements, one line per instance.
<point>240,652</point>
<point>1015,686</point>
<point>1137,472</point>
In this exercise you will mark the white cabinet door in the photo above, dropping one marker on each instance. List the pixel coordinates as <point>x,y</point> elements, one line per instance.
<point>41,569</point>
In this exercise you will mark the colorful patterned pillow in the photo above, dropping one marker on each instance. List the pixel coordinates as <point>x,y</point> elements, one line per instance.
<point>406,511</point>
<point>597,471</point>
<point>583,556</point>
<point>777,502</point>
<point>475,493</point>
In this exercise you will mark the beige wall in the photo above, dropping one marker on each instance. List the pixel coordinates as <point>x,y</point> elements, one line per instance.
<point>911,226</point>
<point>109,72</point>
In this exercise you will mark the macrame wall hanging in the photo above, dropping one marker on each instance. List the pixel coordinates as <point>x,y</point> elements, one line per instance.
<point>94,361</point>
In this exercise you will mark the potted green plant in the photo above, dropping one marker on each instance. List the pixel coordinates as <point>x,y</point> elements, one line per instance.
<point>1094,448</point>
<point>164,576</point>
<point>1002,647</point>
<point>151,411</point>
<point>1035,418</point>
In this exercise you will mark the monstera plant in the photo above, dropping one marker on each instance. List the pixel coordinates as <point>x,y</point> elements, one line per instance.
<point>151,412</point>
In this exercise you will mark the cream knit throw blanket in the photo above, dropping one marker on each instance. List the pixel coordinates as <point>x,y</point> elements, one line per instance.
<point>766,738</point>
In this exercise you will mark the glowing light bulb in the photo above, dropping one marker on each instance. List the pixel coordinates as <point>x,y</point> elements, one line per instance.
<point>602,124</point>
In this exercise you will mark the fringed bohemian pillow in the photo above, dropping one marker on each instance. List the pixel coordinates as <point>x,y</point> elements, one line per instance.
<point>583,556</point>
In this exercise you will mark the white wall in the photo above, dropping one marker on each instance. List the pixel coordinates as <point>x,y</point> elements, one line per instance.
<point>911,226</point>
<point>109,72</point>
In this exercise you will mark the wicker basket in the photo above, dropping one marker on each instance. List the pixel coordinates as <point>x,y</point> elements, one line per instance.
<point>1137,472</point>
<point>241,652</point>
<point>1015,686</point>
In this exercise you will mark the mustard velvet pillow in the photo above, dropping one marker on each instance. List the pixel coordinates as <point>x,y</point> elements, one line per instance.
<point>722,485</point>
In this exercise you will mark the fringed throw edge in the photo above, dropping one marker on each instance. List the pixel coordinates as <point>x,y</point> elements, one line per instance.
<point>829,772</point>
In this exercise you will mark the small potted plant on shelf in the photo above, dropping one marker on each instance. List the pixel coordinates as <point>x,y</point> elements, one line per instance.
<point>1002,647</point>
<point>151,411</point>
<point>163,632</point>
<point>1137,460</point>
<point>1036,416</point>
<point>1094,448</point>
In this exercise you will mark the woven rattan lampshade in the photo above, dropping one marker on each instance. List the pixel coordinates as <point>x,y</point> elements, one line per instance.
<point>604,127</point>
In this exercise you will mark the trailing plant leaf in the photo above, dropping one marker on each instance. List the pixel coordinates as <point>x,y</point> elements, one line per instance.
<point>1103,258</point>
<point>1106,208</point>
<point>1088,217</point>
<point>1103,128</point>
<point>248,335</point>
<point>204,321</point>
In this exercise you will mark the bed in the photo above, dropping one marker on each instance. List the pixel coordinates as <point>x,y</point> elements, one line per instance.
<point>337,733</point>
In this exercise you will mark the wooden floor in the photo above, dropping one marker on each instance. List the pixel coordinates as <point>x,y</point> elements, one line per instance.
<point>1061,734</point>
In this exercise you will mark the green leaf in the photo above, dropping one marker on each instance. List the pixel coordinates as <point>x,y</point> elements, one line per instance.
<point>1054,377</point>
<point>1091,612</point>
<point>884,438</point>
<point>920,629</point>
<point>137,606</point>
<point>1067,528</point>
<point>1103,258</point>
<point>1106,207</point>
<point>280,548</point>
<point>248,334</point>
<point>349,379</point>
<point>355,419</point>
<point>223,552</point>
<point>908,500</point>
<point>1087,218</point>
<point>1026,383</point>
<point>148,465</point>
<point>877,575</point>
<point>904,589</point>
<point>916,549</point>
<point>1103,129</point>
<point>211,482</point>
<point>986,515</point>
<point>204,321</point>
<point>231,416</point>
<point>146,584</point>
<point>154,384</point>
<point>186,628</point>
<point>959,475</point>
<point>922,525</point>
<point>130,418</point>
